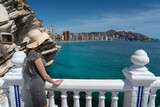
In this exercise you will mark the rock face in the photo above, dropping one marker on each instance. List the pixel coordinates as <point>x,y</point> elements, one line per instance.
<point>17,18</point>
<point>6,52</point>
<point>21,19</point>
<point>4,15</point>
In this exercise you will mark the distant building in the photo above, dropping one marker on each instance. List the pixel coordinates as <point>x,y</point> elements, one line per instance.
<point>81,37</point>
<point>137,37</point>
<point>105,37</point>
<point>73,37</point>
<point>96,37</point>
<point>89,36</point>
<point>58,37</point>
<point>110,38</point>
<point>76,36</point>
<point>93,36</point>
<point>86,36</point>
<point>62,37</point>
<point>115,37</point>
<point>53,34</point>
<point>101,37</point>
<point>67,35</point>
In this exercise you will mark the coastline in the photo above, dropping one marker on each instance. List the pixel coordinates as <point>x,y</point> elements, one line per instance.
<point>95,40</point>
<point>78,41</point>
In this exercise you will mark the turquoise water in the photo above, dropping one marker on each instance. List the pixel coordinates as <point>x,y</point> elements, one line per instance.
<point>101,59</point>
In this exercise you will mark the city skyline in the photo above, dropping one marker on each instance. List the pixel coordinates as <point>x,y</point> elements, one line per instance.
<point>99,16</point>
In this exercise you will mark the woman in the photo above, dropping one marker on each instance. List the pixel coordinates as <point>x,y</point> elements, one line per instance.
<point>37,64</point>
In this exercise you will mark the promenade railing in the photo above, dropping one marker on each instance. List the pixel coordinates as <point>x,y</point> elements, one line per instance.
<point>139,86</point>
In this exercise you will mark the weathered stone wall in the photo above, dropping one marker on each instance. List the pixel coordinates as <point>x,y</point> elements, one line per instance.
<point>21,19</point>
<point>17,18</point>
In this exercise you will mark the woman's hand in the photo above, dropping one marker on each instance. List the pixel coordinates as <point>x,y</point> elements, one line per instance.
<point>58,82</point>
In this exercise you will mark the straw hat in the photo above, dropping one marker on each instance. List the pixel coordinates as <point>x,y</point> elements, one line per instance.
<point>36,38</point>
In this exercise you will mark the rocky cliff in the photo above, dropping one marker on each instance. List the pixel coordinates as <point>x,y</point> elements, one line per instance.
<point>17,18</point>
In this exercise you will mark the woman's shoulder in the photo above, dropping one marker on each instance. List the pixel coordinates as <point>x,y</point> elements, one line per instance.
<point>32,52</point>
<point>32,55</point>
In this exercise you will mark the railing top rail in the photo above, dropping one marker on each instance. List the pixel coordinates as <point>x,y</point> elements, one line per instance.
<point>90,85</point>
<point>156,84</point>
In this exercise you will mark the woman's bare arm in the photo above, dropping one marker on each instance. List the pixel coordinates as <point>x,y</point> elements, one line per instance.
<point>39,64</point>
<point>26,70</point>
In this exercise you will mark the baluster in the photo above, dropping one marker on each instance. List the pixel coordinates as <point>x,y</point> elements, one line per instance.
<point>114,99</point>
<point>89,99</point>
<point>76,99</point>
<point>6,96</point>
<point>152,98</point>
<point>101,99</point>
<point>64,99</point>
<point>51,99</point>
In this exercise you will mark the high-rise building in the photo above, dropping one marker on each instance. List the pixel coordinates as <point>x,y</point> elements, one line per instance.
<point>72,36</point>
<point>62,37</point>
<point>89,36</point>
<point>76,36</point>
<point>82,36</point>
<point>53,34</point>
<point>67,35</point>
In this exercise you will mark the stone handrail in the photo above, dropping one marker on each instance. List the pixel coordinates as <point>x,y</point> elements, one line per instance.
<point>137,87</point>
<point>90,85</point>
<point>156,84</point>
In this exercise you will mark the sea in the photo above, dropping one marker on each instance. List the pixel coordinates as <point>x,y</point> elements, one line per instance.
<point>102,60</point>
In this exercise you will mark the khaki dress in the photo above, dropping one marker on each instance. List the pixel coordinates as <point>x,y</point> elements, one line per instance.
<point>37,83</point>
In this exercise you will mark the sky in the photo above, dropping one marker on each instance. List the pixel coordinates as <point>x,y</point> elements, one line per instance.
<point>142,16</point>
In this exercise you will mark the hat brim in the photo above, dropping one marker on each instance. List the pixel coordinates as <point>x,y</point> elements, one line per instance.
<point>35,44</point>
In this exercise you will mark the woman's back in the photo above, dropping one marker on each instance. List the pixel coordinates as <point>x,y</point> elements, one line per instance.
<point>37,83</point>
<point>32,55</point>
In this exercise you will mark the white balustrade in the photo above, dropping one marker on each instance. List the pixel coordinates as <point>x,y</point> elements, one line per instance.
<point>138,85</point>
<point>154,87</point>
<point>145,96</point>
<point>76,99</point>
<point>64,99</point>
<point>152,98</point>
<point>114,99</point>
<point>5,93</point>
<point>5,97</point>
<point>140,79</point>
<point>88,99</point>
<point>101,99</point>
<point>51,99</point>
